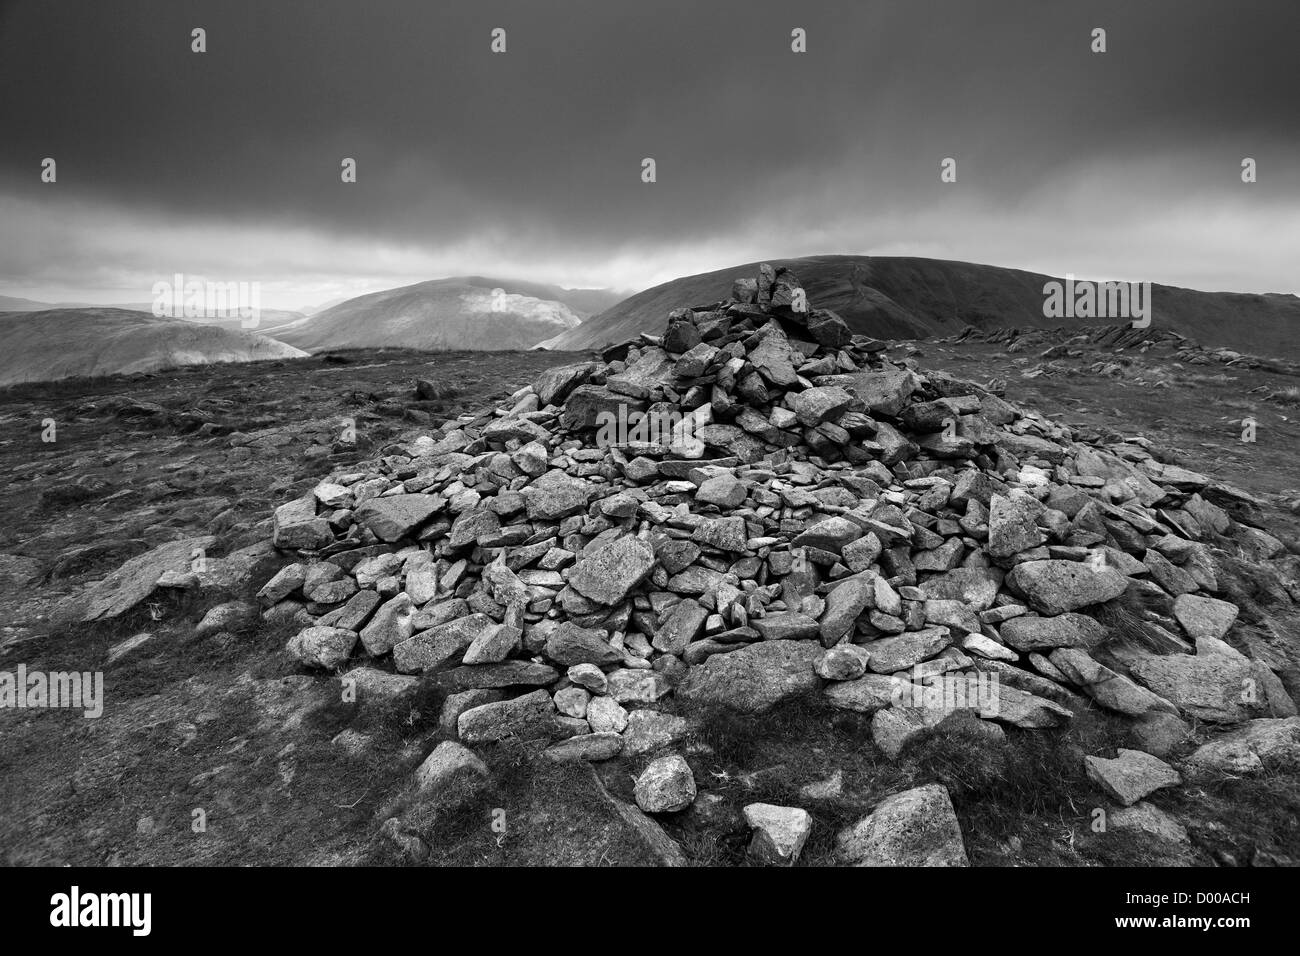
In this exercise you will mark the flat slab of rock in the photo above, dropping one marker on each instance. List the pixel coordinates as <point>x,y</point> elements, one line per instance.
<point>296,526</point>
<point>394,516</point>
<point>1131,775</point>
<point>649,730</point>
<point>439,645</point>
<point>755,678</point>
<point>590,747</point>
<point>1034,633</point>
<point>1216,688</point>
<point>867,694</point>
<point>556,495</point>
<point>1055,587</point>
<point>1148,818</point>
<point>914,828</point>
<point>1259,745</point>
<point>1204,617</point>
<point>1112,690</point>
<point>608,574</point>
<point>527,717</point>
<point>135,580</point>
<point>570,644</point>
<point>890,654</point>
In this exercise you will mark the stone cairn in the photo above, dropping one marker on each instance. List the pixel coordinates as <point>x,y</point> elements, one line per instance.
<point>808,517</point>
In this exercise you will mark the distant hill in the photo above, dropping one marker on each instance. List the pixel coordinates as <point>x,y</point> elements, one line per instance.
<point>229,319</point>
<point>895,297</point>
<point>464,312</point>
<point>9,303</point>
<point>61,343</point>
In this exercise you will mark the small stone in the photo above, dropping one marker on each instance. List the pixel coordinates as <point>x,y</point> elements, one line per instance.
<point>779,833</point>
<point>1131,775</point>
<point>917,827</point>
<point>665,786</point>
<point>449,761</point>
<point>323,646</point>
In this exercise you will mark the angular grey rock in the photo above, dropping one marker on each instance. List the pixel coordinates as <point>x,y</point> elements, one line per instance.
<point>296,527</point>
<point>1131,775</point>
<point>395,516</point>
<point>1112,690</point>
<point>323,646</point>
<point>554,385</point>
<point>917,827</point>
<point>609,573</point>
<point>570,644</point>
<point>755,678</point>
<point>824,403</point>
<point>786,626</point>
<point>368,684</point>
<point>649,730</point>
<point>830,534</point>
<point>1203,617</point>
<point>843,662</point>
<point>665,786</point>
<point>391,624</point>
<point>885,391</point>
<point>779,833</point>
<point>891,654</point>
<point>1217,689</point>
<point>628,686</point>
<point>894,727</point>
<point>867,694</point>
<point>726,491</point>
<point>556,495</point>
<point>593,747</point>
<point>1267,744</point>
<point>449,764</point>
<point>605,714</point>
<point>976,587</point>
<point>1055,587</point>
<point>135,580</point>
<point>1012,526</point>
<point>287,580</point>
<point>527,717</point>
<point>1147,818</point>
<point>681,626</point>
<point>1032,633</point>
<point>439,645</point>
<point>844,603</point>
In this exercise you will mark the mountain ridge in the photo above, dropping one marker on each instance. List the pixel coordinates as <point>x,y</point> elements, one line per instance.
<point>912,297</point>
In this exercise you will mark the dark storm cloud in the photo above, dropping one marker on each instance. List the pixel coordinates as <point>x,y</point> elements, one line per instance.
<point>531,159</point>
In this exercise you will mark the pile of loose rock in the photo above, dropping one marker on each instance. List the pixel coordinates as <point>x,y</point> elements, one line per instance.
<point>811,518</point>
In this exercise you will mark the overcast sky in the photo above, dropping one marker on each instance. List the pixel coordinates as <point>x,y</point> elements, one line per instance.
<point>527,164</point>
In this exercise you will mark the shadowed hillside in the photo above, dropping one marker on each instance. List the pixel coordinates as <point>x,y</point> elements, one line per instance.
<point>895,297</point>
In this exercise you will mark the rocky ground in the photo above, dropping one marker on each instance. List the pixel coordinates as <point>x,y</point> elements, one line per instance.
<point>399,607</point>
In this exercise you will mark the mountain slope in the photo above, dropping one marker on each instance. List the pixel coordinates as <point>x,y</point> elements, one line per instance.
<point>896,297</point>
<point>60,343</point>
<point>229,319</point>
<point>464,312</point>
<point>9,303</point>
